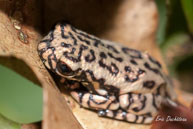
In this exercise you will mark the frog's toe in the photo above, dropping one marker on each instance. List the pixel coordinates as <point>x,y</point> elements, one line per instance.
<point>129,117</point>
<point>93,101</point>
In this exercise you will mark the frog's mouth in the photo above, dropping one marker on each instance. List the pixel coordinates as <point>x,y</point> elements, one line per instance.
<point>67,83</point>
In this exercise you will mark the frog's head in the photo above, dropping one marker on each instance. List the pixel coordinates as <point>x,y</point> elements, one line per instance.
<point>59,51</point>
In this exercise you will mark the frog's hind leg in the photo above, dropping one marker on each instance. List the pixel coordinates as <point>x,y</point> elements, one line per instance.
<point>94,101</point>
<point>126,116</point>
<point>140,103</point>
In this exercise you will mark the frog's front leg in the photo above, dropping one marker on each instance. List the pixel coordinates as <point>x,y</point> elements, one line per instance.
<point>126,116</point>
<point>135,108</point>
<point>94,101</point>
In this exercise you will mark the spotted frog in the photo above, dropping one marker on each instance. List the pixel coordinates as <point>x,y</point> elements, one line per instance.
<point>120,82</point>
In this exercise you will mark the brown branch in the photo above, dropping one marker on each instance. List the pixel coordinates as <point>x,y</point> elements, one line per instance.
<point>18,50</point>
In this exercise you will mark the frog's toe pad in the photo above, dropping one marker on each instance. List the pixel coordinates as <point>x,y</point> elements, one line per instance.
<point>122,115</point>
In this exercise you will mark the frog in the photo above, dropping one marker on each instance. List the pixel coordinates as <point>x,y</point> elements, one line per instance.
<point>121,83</point>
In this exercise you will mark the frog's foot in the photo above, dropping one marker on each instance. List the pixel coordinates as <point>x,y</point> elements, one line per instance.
<point>126,116</point>
<point>94,101</point>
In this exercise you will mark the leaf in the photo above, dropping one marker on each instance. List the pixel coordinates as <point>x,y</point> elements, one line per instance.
<point>8,124</point>
<point>188,11</point>
<point>161,5</point>
<point>173,49</point>
<point>174,39</point>
<point>176,19</point>
<point>20,99</point>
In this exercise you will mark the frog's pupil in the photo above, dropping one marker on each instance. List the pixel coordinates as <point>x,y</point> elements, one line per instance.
<point>63,68</point>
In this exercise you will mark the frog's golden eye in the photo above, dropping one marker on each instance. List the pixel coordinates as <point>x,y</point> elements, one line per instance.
<point>64,69</point>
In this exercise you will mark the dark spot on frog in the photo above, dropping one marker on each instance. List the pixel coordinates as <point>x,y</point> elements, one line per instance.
<point>154,61</point>
<point>73,38</point>
<point>154,103</point>
<point>113,69</point>
<point>152,69</point>
<point>78,59</point>
<point>133,62</point>
<point>83,40</point>
<point>91,57</point>
<point>132,52</point>
<point>110,47</point>
<point>73,50</point>
<point>51,57</point>
<point>149,84</point>
<point>128,69</point>
<point>116,58</point>
<point>98,42</point>
<point>65,45</point>
<point>103,55</point>
<point>130,79</point>
<point>62,30</point>
<point>140,71</point>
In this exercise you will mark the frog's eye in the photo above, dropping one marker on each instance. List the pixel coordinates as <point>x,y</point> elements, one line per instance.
<point>64,69</point>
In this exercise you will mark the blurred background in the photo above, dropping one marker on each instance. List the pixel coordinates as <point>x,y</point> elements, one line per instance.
<point>174,36</point>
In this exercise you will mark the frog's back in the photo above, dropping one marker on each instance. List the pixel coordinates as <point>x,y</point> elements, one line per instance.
<point>104,64</point>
